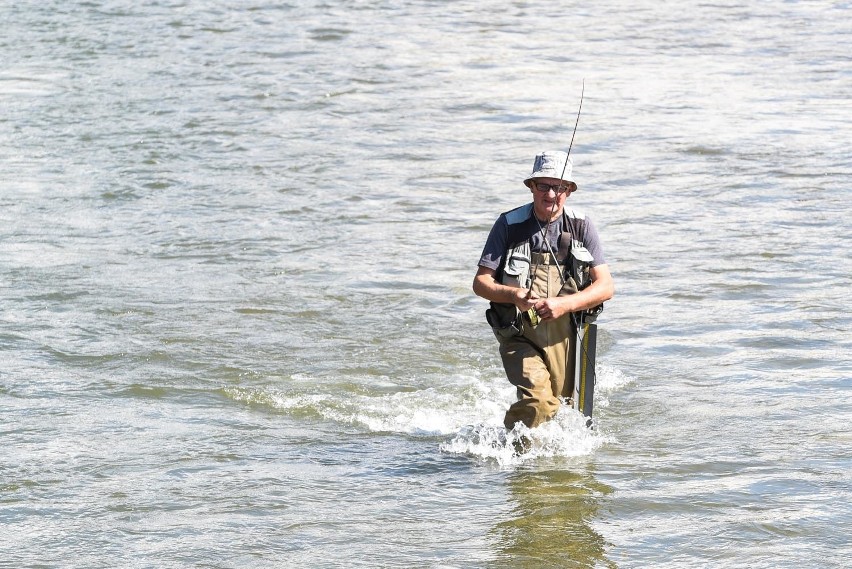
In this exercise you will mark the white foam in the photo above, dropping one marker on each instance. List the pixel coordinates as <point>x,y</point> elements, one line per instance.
<point>565,436</point>
<point>468,407</point>
<point>608,380</point>
<point>431,411</point>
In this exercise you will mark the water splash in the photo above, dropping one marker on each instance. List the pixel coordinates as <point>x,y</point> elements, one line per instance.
<point>567,435</point>
<point>432,411</point>
<point>609,380</point>
<point>468,407</point>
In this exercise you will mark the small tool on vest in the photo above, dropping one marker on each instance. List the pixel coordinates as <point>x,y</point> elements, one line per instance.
<point>533,316</point>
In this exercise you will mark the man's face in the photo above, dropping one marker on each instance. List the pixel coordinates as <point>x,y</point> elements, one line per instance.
<point>549,195</point>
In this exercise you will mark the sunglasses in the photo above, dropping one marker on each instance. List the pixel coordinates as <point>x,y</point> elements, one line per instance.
<point>558,189</point>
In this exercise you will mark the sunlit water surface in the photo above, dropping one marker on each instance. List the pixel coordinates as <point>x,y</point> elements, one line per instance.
<point>237,242</point>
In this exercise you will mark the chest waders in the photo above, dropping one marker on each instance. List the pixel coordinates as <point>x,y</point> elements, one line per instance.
<point>552,359</point>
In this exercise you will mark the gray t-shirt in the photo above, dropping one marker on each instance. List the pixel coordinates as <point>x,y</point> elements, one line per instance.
<point>498,239</point>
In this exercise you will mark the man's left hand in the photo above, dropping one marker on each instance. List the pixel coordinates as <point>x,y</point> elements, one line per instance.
<point>553,308</point>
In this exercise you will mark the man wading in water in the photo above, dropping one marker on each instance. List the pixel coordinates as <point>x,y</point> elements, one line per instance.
<point>540,265</point>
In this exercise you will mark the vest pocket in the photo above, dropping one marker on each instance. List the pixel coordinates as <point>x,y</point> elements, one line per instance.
<point>516,273</point>
<point>581,259</point>
<point>582,254</point>
<point>504,320</point>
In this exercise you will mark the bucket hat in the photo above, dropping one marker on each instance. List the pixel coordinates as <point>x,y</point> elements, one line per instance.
<point>551,164</point>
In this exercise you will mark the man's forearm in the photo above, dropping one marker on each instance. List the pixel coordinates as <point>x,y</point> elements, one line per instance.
<point>489,289</point>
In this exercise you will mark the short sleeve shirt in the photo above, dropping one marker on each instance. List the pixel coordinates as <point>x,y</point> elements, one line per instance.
<point>497,242</point>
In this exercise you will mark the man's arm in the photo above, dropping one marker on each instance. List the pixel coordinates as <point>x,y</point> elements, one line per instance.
<point>486,286</point>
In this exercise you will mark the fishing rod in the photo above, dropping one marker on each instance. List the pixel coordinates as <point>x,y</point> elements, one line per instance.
<point>546,229</point>
<point>576,123</point>
<point>577,318</point>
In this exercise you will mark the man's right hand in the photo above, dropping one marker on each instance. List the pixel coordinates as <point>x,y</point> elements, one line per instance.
<point>525,299</point>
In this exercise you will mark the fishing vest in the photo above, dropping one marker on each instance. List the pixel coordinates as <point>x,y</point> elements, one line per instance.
<point>572,257</point>
<point>571,254</point>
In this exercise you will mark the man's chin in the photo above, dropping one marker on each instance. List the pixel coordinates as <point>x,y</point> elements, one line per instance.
<point>546,212</point>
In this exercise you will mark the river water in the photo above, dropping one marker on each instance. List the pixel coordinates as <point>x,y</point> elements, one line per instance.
<point>237,241</point>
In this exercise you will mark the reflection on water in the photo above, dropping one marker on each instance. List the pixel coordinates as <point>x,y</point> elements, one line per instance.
<point>551,524</point>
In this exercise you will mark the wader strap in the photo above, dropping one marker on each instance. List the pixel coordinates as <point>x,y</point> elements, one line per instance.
<point>563,245</point>
<point>542,259</point>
